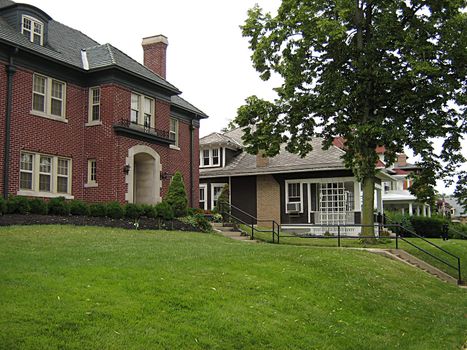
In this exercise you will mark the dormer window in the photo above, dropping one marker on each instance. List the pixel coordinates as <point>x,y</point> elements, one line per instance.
<point>210,158</point>
<point>33,29</point>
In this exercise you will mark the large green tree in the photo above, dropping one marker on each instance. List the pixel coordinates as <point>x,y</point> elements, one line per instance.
<point>376,72</point>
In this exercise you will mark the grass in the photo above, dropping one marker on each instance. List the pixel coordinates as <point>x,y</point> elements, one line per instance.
<point>64,287</point>
<point>457,247</point>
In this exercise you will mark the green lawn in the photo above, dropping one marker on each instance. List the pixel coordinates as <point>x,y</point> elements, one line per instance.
<point>457,247</point>
<point>64,287</point>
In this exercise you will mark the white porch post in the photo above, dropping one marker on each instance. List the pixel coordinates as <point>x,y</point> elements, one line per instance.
<point>410,209</point>
<point>357,196</point>
<point>424,209</point>
<point>418,210</point>
<point>403,210</point>
<point>429,211</point>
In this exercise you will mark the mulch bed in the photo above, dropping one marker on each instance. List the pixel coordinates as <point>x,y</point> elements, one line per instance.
<point>144,223</point>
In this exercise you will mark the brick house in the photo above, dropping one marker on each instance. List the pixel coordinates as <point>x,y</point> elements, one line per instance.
<point>84,120</point>
<point>298,193</point>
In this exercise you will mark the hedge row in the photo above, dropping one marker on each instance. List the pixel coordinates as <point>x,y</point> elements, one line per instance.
<point>60,206</point>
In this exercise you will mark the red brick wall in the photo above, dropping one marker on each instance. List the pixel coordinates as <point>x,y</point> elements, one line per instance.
<point>3,93</point>
<point>80,142</point>
<point>155,57</point>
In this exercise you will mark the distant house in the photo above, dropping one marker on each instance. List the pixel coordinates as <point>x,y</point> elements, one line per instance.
<point>291,190</point>
<point>450,207</point>
<point>84,120</point>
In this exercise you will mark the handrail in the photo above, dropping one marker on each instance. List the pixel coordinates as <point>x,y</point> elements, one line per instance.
<point>458,232</point>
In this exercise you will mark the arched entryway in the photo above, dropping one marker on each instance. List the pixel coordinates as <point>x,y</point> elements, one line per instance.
<point>143,178</point>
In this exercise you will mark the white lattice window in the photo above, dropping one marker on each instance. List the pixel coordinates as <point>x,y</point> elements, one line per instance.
<point>332,202</point>
<point>33,29</point>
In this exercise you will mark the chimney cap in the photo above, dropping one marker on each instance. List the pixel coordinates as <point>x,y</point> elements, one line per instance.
<point>155,39</point>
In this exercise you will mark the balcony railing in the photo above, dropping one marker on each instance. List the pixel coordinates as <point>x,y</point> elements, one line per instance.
<point>128,127</point>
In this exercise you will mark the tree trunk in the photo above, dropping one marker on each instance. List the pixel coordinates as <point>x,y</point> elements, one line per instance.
<point>368,185</point>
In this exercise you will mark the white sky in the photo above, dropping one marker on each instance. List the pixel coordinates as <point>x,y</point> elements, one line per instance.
<point>207,58</point>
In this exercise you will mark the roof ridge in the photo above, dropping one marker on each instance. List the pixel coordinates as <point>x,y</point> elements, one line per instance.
<point>112,57</point>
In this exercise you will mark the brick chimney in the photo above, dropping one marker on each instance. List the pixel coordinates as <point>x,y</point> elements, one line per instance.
<point>155,52</point>
<point>402,159</point>
<point>262,160</point>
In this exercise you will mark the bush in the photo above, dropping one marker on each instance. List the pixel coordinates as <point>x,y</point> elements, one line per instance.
<point>202,223</point>
<point>396,217</point>
<point>223,199</point>
<point>458,231</point>
<point>3,207</point>
<point>133,211</point>
<point>149,211</point>
<point>98,210</point>
<point>176,196</point>
<point>79,208</point>
<point>38,206</point>
<point>115,210</point>
<point>164,211</point>
<point>428,227</point>
<point>58,206</point>
<point>18,205</point>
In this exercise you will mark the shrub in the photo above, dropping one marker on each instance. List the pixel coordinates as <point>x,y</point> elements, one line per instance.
<point>115,210</point>
<point>458,231</point>
<point>38,206</point>
<point>149,211</point>
<point>79,208</point>
<point>396,217</point>
<point>164,211</point>
<point>428,227</point>
<point>223,198</point>
<point>58,206</point>
<point>98,210</point>
<point>18,205</point>
<point>133,211</point>
<point>176,196</point>
<point>197,221</point>
<point>3,207</point>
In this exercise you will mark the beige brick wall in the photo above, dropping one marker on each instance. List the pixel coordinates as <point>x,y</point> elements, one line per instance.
<point>268,199</point>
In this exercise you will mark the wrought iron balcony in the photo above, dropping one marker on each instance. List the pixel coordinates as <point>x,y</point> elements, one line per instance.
<point>129,128</point>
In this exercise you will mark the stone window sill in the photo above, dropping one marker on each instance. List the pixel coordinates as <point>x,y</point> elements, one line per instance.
<point>174,147</point>
<point>94,123</point>
<point>90,185</point>
<point>44,194</point>
<point>49,116</point>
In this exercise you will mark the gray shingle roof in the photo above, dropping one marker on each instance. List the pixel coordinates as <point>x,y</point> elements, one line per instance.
<point>318,159</point>
<point>216,138</point>
<point>184,104</point>
<point>5,3</point>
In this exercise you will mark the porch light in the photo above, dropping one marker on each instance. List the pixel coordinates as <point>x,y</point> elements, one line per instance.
<point>126,169</point>
<point>166,175</point>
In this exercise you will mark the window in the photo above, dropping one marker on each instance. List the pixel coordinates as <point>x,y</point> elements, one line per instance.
<point>48,96</point>
<point>216,190</point>
<point>203,202</point>
<point>210,157</point>
<point>92,172</point>
<point>293,197</point>
<point>94,104</point>
<point>294,192</point>
<point>26,171</point>
<point>142,110</point>
<point>173,133</point>
<point>32,29</point>
<point>44,175</point>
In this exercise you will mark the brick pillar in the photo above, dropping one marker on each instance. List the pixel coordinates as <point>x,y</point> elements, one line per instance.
<point>155,54</point>
<point>268,201</point>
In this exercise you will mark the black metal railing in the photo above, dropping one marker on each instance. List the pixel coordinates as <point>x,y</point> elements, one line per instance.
<point>163,134</point>
<point>401,235</point>
<point>226,209</point>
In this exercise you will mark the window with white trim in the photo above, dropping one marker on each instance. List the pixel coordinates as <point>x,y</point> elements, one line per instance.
<point>173,132</point>
<point>203,201</point>
<point>210,157</point>
<point>92,172</point>
<point>94,104</point>
<point>142,110</point>
<point>216,190</point>
<point>33,29</point>
<point>48,96</point>
<point>42,174</point>
<point>294,193</point>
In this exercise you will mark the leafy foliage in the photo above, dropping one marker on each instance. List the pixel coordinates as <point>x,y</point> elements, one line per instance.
<point>176,196</point>
<point>428,227</point>
<point>373,72</point>
<point>149,211</point>
<point>18,205</point>
<point>3,206</point>
<point>38,206</point>
<point>164,211</point>
<point>58,206</point>
<point>133,211</point>
<point>79,208</point>
<point>115,210</point>
<point>98,209</point>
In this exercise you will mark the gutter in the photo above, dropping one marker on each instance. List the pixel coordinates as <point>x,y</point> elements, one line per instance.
<point>192,182</point>
<point>10,69</point>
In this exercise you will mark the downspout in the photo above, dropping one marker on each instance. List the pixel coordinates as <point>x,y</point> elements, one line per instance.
<point>192,185</point>
<point>10,69</point>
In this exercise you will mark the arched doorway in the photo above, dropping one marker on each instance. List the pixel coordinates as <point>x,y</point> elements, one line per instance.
<point>143,179</point>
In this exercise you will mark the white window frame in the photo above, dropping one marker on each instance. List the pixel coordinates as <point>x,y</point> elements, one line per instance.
<point>60,175</point>
<point>211,158</point>
<point>32,32</point>
<point>92,104</point>
<point>90,181</point>
<point>141,113</point>
<point>174,132</point>
<point>204,187</point>
<point>35,192</point>
<point>287,182</point>
<point>215,185</point>
<point>27,171</point>
<point>47,112</point>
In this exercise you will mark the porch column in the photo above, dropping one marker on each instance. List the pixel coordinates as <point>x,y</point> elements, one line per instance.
<point>424,209</point>
<point>418,210</point>
<point>429,211</point>
<point>403,211</point>
<point>410,209</point>
<point>357,196</point>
